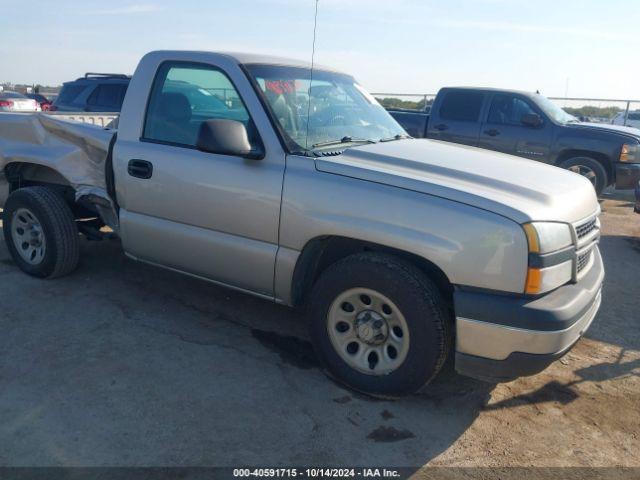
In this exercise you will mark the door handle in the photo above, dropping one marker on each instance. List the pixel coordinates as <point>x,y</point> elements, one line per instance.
<point>441,127</point>
<point>492,133</point>
<point>140,168</point>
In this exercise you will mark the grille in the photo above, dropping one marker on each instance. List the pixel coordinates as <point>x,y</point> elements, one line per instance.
<point>583,261</point>
<point>586,228</point>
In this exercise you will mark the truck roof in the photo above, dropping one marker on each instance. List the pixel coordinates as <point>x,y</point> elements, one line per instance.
<point>493,89</point>
<point>245,58</point>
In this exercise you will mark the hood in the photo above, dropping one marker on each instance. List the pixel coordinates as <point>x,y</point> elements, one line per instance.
<point>519,189</point>
<point>607,127</point>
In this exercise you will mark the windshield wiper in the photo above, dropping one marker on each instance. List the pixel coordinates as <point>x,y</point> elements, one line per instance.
<point>345,139</point>
<point>395,137</point>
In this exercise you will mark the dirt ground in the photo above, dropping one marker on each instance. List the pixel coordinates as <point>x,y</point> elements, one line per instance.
<point>125,364</point>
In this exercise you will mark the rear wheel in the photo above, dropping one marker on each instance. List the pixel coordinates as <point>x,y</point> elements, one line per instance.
<point>40,232</point>
<point>589,168</point>
<point>379,324</point>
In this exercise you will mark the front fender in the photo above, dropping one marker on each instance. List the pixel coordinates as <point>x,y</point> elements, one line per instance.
<point>472,247</point>
<point>587,142</point>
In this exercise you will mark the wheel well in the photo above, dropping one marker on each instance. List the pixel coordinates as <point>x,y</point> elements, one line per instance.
<point>318,254</point>
<point>21,174</point>
<point>600,157</point>
<point>24,174</point>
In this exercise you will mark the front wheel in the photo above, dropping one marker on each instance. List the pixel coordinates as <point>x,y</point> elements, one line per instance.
<point>40,232</point>
<point>589,168</point>
<point>379,324</point>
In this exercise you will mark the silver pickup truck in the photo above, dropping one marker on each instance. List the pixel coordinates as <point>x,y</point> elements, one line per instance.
<point>295,185</point>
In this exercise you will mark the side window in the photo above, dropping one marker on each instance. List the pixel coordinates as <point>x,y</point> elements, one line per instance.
<point>185,95</point>
<point>107,96</point>
<point>69,93</point>
<point>461,106</point>
<point>508,110</point>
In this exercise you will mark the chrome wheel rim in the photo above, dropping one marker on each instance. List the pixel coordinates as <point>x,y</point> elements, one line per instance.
<point>28,236</point>
<point>585,171</point>
<point>368,331</point>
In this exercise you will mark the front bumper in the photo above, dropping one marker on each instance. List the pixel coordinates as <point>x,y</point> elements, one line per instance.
<point>499,338</point>
<point>627,175</point>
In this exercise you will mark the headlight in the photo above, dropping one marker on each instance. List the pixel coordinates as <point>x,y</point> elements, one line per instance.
<point>547,237</point>
<point>629,153</point>
<point>550,256</point>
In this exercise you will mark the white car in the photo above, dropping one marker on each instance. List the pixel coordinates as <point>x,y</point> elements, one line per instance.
<point>16,102</point>
<point>633,119</point>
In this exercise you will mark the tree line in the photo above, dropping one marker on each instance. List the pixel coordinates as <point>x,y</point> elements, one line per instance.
<point>585,111</point>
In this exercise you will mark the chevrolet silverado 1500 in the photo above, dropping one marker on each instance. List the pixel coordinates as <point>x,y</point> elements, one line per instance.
<point>240,170</point>
<point>531,126</point>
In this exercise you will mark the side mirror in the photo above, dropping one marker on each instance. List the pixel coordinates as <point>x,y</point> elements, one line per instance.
<point>226,137</point>
<point>531,120</point>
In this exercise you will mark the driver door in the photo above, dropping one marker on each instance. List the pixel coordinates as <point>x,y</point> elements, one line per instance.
<point>211,215</point>
<point>504,131</point>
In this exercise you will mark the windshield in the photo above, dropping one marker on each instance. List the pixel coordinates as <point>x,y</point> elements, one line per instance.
<point>553,110</point>
<point>334,108</point>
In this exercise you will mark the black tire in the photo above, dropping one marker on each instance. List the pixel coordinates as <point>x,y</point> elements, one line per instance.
<point>600,179</point>
<point>421,303</point>
<point>62,247</point>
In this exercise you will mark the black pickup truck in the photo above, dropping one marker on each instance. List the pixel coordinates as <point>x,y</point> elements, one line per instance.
<point>529,125</point>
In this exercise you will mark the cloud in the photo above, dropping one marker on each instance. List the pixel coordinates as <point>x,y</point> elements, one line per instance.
<point>130,9</point>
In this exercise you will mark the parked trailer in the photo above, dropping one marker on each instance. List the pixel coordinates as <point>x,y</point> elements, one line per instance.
<point>104,120</point>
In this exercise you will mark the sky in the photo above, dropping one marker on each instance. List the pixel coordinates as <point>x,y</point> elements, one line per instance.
<point>585,48</point>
